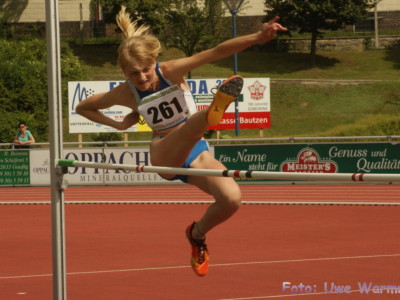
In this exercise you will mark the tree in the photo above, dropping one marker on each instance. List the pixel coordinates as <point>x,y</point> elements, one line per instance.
<point>315,15</point>
<point>152,12</point>
<point>188,25</point>
<point>23,85</point>
<point>194,26</point>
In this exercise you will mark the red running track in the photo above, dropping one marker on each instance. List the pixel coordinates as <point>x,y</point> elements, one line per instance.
<point>267,193</point>
<point>140,252</point>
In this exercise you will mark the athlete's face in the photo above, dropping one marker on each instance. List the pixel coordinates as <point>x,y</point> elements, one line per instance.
<point>142,75</point>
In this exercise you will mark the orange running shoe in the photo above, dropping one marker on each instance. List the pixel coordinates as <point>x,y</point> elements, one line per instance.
<point>227,93</point>
<point>199,258</point>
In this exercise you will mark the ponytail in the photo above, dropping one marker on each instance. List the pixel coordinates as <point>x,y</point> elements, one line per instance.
<point>138,44</point>
<point>128,27</point>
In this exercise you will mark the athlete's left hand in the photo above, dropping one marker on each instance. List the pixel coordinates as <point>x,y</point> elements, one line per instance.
<point>130,120</point>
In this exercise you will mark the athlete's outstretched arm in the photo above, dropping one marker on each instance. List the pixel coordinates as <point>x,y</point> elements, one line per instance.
<point>179,67</point>
<point>120,95</point>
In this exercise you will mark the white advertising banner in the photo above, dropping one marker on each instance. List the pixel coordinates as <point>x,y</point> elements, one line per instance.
<point>127,156</point>
<point>80,90</point>
<point>39,167</point>
<point>254,104</point>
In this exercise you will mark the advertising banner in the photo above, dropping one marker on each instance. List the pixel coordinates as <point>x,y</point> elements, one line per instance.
<point>14,167</point>
<point>312,158</point>
<point>127,156</point>
<point>254,104</point>
<point>80,90</point>
<point>32,167</point>
<point>40,166</point>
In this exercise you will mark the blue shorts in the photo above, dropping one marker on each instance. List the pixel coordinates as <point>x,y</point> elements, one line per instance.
<point>201,146</point>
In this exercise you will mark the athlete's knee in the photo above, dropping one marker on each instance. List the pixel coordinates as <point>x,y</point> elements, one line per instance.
<point>233,205</point>
<point>232,200</point>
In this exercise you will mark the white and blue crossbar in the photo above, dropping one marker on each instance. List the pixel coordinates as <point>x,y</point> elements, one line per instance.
<point>352,177</point>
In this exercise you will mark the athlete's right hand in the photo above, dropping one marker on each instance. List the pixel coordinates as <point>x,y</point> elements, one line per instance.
<point>269,30</point>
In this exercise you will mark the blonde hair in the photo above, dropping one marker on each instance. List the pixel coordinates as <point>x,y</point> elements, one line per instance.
<point>138,44</point>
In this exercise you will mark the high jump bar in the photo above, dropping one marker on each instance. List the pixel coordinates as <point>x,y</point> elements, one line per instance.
<point>353,177</point>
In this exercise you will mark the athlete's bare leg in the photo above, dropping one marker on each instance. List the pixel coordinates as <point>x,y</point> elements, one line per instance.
<point>225,190</point>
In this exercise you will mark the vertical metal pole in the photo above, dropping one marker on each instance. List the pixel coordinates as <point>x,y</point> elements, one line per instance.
<point>81,22</point>
<point>56,144</point>
<point>235,62</point>
<point>234,6</point>
<point>235,71</point>
<point>376,26</point>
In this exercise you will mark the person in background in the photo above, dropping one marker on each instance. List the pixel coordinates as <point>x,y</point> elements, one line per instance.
<point>23,137</point>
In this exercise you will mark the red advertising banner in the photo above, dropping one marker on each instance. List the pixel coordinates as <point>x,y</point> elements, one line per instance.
<point>247,120</point>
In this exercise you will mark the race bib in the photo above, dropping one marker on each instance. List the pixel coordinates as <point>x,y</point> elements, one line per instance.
<point>167,108</point>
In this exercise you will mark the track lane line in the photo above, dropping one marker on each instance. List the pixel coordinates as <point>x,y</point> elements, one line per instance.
<point>213,265</point>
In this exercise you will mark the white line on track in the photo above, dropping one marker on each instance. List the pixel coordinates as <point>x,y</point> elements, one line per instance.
<point>285,295</point>
<point>213,265</point>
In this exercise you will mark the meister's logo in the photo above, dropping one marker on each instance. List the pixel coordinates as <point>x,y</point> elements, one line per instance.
<point>308,161</point>
<point>257,90</point>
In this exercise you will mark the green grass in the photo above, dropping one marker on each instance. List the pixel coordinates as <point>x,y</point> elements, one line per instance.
<point>99,60</point>
<point>374,65</point>
<point>100,63</point>
<point>297,109</point>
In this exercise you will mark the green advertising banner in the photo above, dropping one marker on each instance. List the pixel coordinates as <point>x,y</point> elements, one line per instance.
<point>312,158</point>
<point>14,167</point>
